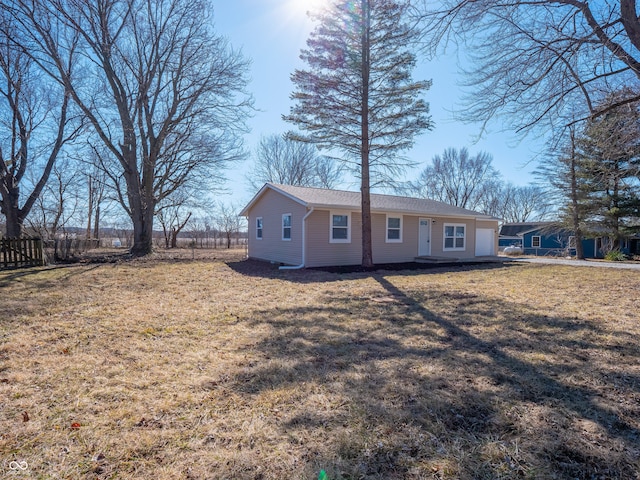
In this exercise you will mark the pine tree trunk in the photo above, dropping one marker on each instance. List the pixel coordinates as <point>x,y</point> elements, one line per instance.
<point>365,186</point>
<point>575,205</point>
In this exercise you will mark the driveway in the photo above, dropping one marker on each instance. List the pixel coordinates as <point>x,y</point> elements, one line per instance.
<point>578,263</point>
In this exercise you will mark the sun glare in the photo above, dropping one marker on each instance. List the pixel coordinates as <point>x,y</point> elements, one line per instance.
<point>301,7</point>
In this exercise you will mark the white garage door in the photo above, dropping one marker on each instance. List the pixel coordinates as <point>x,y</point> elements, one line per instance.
<point>485,244</point>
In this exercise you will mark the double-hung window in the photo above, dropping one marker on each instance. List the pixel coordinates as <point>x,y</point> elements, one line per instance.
<point>286,226</point>
<point>259,228</point>
<point>535,241</point>
<point>340,228</point>
<point>454,236</point>
<point>394,229</point>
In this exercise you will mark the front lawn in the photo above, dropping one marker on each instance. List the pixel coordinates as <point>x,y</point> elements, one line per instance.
<point>169,368</point>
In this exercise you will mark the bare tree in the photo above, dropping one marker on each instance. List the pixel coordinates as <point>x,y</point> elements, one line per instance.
<point>458,178</point>
<point>523,203</point>
<point>357,98</point>
<point>96,194</point>
<point>58,204</point>
<point>174,214</point>
<point>163,93</point>
<point>541,63</point>
<point>35,123</point>
<point>285,160</point>
<point>228,221</point>
<point>199,229</point>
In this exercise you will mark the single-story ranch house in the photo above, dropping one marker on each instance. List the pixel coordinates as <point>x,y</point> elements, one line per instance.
<point>314,227</point>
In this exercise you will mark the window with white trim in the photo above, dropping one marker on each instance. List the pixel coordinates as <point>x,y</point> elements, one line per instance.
<point>286,226</point>
<point>259,228</point>
<point>535,241</point>
<point>340,227</point>
<point>454,236</point>
<point>394,229</point>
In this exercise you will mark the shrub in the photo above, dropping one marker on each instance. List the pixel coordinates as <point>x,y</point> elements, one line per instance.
<point>615,256</point>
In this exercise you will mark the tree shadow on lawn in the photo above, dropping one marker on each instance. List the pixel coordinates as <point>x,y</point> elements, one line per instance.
<point>7,277</point>
<point>443,385</point>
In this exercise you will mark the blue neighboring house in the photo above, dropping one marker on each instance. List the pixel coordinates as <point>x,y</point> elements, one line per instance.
<point>548,238</point>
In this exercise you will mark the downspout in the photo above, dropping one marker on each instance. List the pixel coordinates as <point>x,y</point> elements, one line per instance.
<point>304,244</point>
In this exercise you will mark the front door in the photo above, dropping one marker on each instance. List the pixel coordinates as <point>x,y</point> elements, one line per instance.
<point>424,238</point>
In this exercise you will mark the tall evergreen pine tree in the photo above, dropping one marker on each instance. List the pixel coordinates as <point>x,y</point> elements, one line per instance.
<point>357,98</point>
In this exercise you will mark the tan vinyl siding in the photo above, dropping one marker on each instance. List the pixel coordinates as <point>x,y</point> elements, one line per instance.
<point>320,252</point>
<point>394,252</point>
<point>271,207</point>
<point>487,224</point>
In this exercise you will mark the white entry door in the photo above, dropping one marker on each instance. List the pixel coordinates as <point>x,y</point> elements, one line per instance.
<point>485,242</point>
<point>424,238</point>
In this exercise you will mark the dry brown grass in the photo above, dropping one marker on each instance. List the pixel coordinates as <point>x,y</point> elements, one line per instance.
<point>224,369</point>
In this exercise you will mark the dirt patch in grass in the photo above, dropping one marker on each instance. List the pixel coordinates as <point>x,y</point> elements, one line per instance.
<point>179,368</point>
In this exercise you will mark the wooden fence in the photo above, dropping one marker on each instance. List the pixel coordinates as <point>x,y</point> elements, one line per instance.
<point>67,249</point>
<point>20,252</point>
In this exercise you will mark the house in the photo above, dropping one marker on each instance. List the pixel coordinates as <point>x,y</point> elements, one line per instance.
<point>549,238</point>
<point>314,227</point>
<point>537,238</point>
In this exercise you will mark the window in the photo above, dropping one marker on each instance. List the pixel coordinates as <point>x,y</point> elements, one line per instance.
<point>454,236</point>
<point>535,241</point>
<point>394,229</point>
<point>259,228</point>
<point>340,228</point>
<point>572,242</point>
<point>286,226</point>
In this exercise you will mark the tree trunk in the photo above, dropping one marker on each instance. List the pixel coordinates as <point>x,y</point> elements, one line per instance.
<point>617,243</point>
<point>575,204</point>
<point>174,238</point>
<point>365,186</point>
<point>90,207</point>
<point>142,234</point>
<point>13,215</point>
<point>96,224</point>
<point>141,209</point>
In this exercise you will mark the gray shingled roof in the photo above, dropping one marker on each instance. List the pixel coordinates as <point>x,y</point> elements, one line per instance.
<point>341,199</point>
<point>515,229</point>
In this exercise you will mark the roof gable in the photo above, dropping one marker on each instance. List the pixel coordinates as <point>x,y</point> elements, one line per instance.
<point>342,199</point>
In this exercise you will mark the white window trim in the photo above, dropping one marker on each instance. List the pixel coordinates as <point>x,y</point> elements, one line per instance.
<point>444,237</point>
<point>290,227</point>
<point>386,230</point>
<point>539,241</point>
<point>339,240</point>
<point>261,228</point>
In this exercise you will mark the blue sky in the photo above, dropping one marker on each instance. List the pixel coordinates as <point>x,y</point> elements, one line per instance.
<point>272,32</point>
